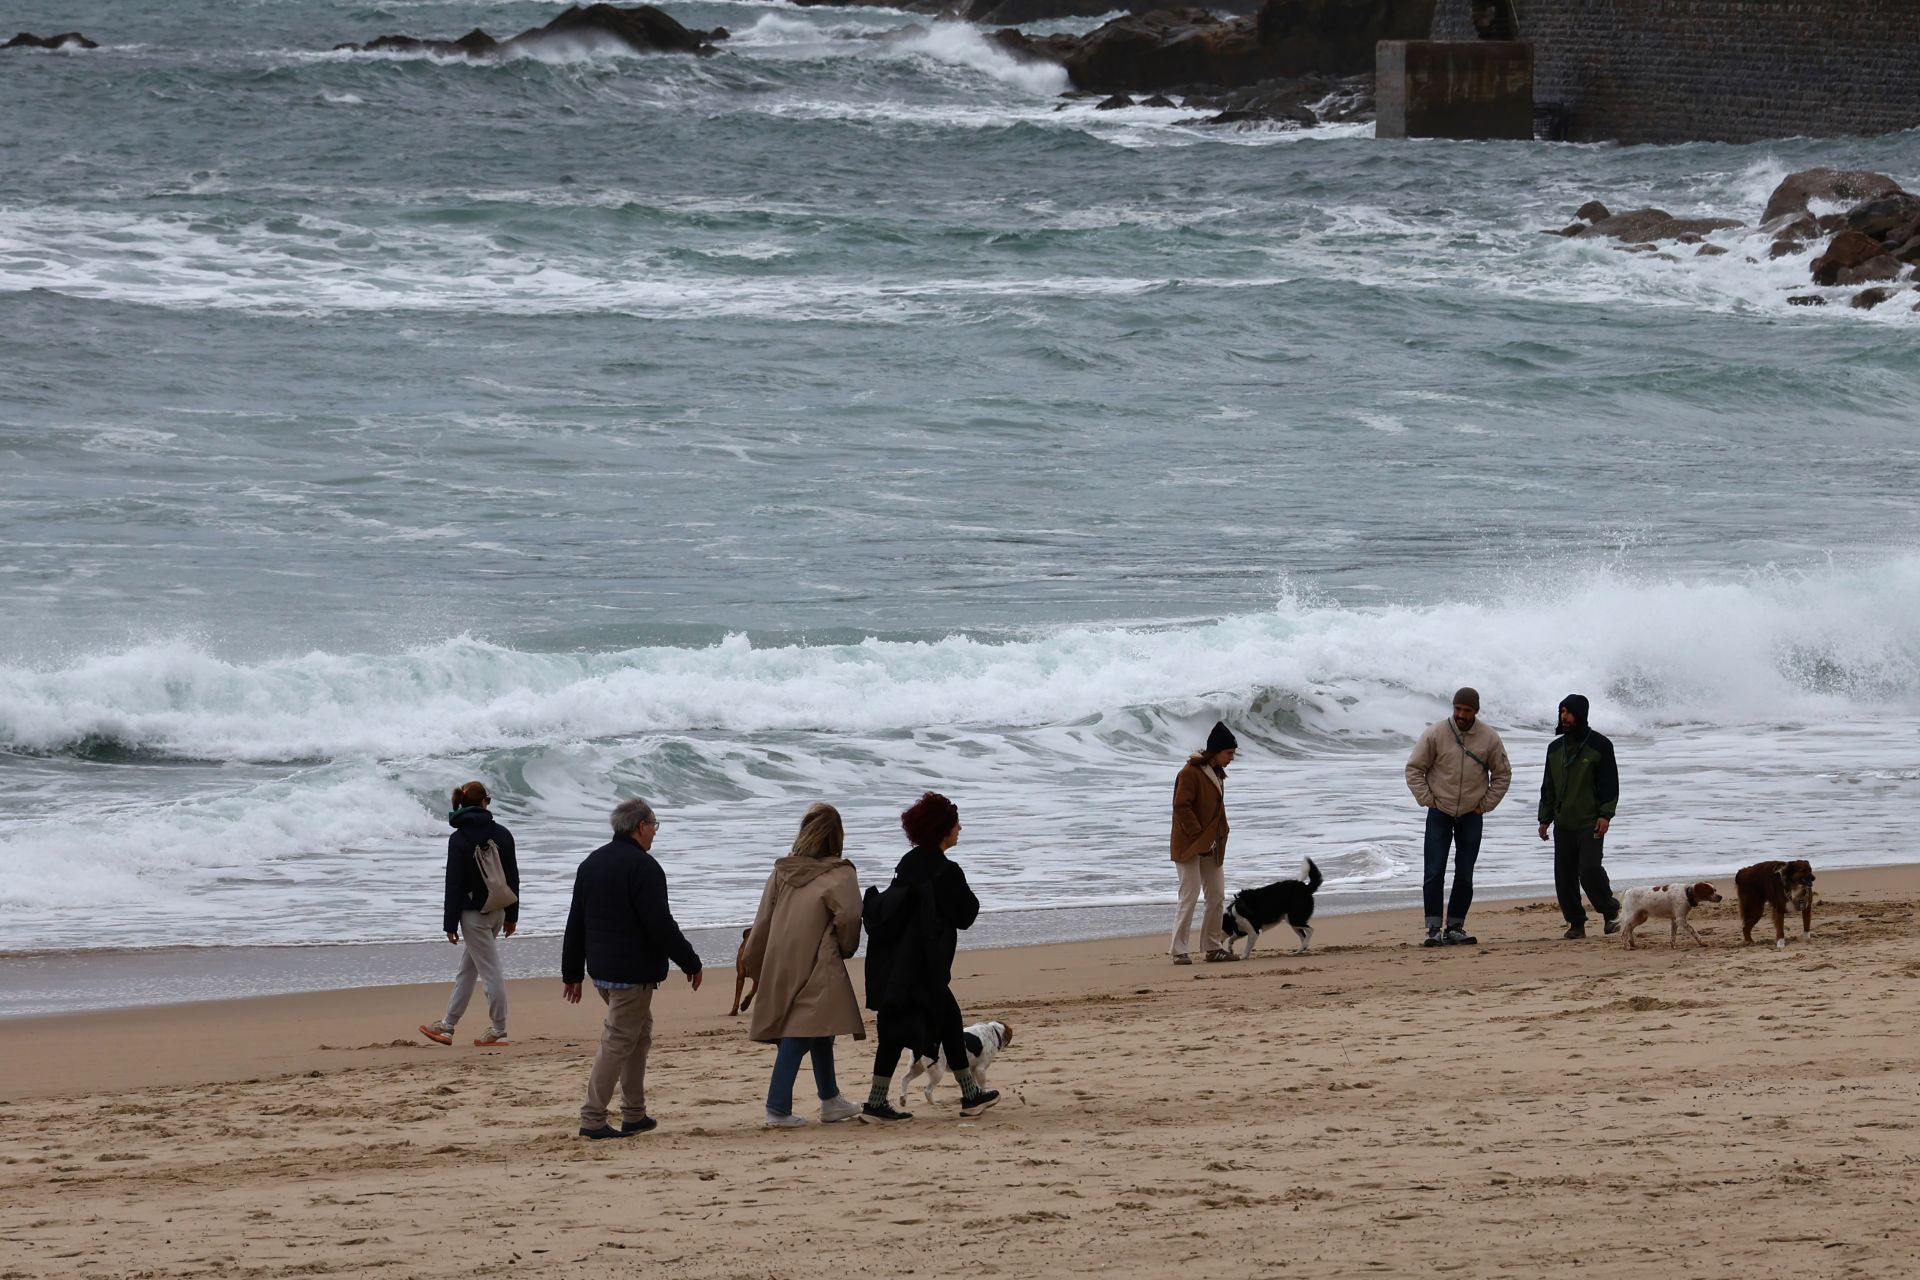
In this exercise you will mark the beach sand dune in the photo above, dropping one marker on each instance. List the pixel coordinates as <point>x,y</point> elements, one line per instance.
<point>1529,1107</point>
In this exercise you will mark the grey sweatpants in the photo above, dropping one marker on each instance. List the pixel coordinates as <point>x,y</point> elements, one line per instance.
<point>480,959</point>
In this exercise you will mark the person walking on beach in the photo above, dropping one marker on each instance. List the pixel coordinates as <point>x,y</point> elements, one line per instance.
<point>621,932</point>
<point>1578,795</point>
<point>465,913</point>
<point>1200,843</point>
<point>912,932</point>
<point>1459,773</point>
<point>807,927</point>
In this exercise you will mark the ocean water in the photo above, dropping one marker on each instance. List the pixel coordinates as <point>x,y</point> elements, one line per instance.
<point>839,417</point>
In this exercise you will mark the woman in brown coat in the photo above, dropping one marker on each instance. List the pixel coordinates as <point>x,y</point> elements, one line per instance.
<point>807,926</point>
<point>1199,843</point>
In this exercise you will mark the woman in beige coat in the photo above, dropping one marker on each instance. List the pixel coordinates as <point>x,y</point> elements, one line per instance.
<point>807,926</point>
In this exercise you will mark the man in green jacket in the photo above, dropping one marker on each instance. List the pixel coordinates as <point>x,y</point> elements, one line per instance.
<point>1578,796</point>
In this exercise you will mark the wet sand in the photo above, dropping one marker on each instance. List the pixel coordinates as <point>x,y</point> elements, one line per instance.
<point>1525,1107</point>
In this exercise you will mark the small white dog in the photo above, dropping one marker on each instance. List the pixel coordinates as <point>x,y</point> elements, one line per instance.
<point>1670,902</point>
<point>985,1040</point>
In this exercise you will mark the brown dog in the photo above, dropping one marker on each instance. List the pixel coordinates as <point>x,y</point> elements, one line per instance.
<point>1774,886</point>
<point>740,978</point>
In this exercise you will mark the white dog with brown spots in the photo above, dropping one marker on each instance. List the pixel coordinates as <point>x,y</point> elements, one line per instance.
<point>1669,902</point>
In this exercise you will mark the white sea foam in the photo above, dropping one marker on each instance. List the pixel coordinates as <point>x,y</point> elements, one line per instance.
<point>1655,652</point>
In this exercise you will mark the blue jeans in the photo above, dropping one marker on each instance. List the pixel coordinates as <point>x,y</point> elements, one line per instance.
<point>1463,833</point>
<point>786,1069</point>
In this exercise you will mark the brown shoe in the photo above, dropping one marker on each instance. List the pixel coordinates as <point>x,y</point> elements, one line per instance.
<point>1215,957</point>
<point>1183,958</point>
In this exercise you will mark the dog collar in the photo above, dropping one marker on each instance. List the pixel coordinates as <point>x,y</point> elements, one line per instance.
<point>1691,900</point>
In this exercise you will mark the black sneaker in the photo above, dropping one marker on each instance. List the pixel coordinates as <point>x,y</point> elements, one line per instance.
<point>1458,937</point>
<point>882,1111</point>
<point>1613,924</point>
<point>605,1131</point>
<point>645,1124</point>
<point>979,1100</point>
<point>1433,938</point>
<point>1574,931</point>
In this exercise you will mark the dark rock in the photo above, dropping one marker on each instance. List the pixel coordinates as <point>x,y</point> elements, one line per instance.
<point>1806,300</point>
<point>1792,226</point>
<point>1910,251</point>
<point>1690,237</point>
<point>1635,248</point>
<point>1640,226</point>
<point>1884,267</point>
<point>1829,223</point>
<point>1159,100</point>
<point>1168,48</point>
<point>1868,299</point>
<point>1785,247</point>
<point>1018,13</point>
<point>65,40</point>
<point>641,29</point>
<point>1709,251</point>
<point>1885,214</point>
<point>1847,250</point>
<point>718,34</point>
<point>1796,190</point>
<point>1114,103</point>
<point>1592,211</point>
<point>1494,20</point>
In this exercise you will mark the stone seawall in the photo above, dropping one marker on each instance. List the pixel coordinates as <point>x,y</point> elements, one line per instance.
<point>1718,70</point>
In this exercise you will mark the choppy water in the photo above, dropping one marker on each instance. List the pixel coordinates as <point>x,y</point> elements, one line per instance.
<point>835,417</point>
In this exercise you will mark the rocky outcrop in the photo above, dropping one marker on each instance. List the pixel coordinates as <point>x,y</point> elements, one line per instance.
<point>1168,48</point>
<point>1873,242</point>
<point>1833,186</point>
<point>1016,13</point>
<point>1644,226</point>
<point>641,29</point>
<point>65,40</point>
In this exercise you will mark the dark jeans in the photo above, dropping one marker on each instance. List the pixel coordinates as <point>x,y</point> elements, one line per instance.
<point>1463,834</point>
<point>1576,866</point>
<point>786,1069</point>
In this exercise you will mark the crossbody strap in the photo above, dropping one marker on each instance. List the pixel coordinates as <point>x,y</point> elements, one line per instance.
<point>1462,743</point>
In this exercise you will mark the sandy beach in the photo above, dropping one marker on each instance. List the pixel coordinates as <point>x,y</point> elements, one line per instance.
<point>1526,1107</point>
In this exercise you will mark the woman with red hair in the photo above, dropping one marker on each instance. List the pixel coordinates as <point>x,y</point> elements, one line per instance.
<point>912,933</point>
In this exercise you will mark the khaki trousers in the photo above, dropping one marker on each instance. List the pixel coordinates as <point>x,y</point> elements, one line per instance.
<point>1204,872</point>
<point>625,1037</point>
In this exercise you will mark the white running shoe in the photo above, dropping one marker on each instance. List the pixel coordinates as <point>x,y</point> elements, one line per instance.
<point>838,1108</point>
<point>775,1121</point>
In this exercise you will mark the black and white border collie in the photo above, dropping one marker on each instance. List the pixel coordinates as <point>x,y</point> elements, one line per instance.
<point>1254,911</point>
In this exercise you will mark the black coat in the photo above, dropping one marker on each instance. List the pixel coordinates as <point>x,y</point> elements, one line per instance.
<point>913,931</point>
<point>466,891</point>
<point>619,928</point>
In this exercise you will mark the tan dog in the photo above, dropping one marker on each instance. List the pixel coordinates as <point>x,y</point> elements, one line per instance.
<point>740,978</point>
<point>1670,902</point>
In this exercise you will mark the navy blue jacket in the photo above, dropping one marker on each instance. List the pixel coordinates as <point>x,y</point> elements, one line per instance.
<point>466,891</point>
<point>619,928</point>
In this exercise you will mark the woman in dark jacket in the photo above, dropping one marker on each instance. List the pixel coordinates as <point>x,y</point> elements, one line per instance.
<point>461,914</point>
<point>912,933</point>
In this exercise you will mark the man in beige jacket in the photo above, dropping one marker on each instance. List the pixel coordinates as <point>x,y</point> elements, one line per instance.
<point>1199,843</point>
<point>1458,772</point>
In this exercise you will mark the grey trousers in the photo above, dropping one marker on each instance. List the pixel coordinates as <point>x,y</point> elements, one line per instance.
<point>625,1037</point>
<point>480,959</point>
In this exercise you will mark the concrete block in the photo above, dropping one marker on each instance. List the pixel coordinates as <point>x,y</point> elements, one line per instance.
<point>1454,89</point>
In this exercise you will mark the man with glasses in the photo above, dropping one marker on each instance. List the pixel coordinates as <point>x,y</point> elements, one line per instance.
<point>622,934</point>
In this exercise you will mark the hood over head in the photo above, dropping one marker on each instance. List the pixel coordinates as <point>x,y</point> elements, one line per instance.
<point>1578,705</point>
<point>797,869</point>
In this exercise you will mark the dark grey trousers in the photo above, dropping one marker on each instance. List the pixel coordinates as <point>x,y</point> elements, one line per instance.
<point>1576,866</point>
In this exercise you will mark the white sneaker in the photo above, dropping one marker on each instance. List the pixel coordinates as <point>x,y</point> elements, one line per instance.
<point>774,1121</point>
<point>838,1108</point>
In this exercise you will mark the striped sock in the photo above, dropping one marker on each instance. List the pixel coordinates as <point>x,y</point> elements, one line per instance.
<point>877,1096</point>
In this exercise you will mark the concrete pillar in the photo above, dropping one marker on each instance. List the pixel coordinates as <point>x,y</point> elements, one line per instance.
<point>1454,89</point>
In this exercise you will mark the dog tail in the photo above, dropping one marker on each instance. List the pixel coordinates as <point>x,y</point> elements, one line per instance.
<point>1311,874</point>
